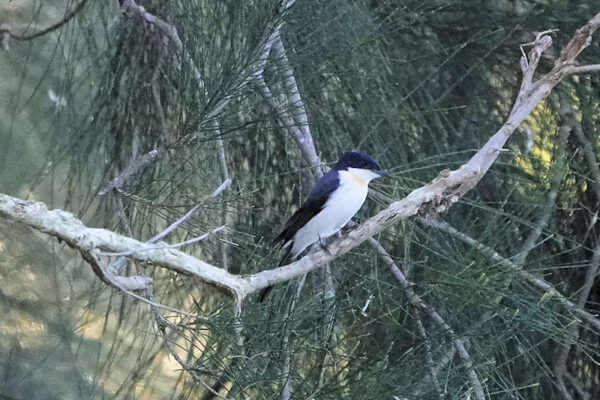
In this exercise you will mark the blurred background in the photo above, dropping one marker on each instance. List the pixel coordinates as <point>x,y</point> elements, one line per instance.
<point>419,85</point>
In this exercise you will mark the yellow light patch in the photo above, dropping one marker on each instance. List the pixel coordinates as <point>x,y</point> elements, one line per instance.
<point>358,179</point>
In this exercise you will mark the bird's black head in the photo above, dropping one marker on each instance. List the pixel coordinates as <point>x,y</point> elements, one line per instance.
<point>359,160</point>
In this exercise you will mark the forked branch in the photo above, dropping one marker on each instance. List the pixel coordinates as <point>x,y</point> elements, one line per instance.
<point>434,197</point>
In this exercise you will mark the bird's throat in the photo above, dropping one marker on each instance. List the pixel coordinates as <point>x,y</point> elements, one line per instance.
<point>358,179</point>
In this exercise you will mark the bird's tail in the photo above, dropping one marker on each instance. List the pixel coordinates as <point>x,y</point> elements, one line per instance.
<point>286,257</point>
<point>263,294</point>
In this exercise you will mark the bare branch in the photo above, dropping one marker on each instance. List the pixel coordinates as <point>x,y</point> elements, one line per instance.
<point>69,16</point>
<point>224,176</point>
<point>167,246</point>
<point>131,9</point>
<point>580,40</point>
<point>302,134</point>
<point>223,186</point>
<point>116,266</point>
<point>419,303</point>
<point>294,120</point>
<point>577,386</point>
<point>125,284</point>
<point>428,355</point>
<point>583,69</point>
<point>436,196</point>
<point>65,226</point>
<point>286,391</point>
<point>421,328</point>
<point>132,169</point>
<point>443,362</point>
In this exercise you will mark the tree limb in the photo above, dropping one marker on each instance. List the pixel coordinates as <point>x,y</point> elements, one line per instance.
<point>116,266</point>
<point>583,69</point>
<point>66,227</point>
<point>434,197</point>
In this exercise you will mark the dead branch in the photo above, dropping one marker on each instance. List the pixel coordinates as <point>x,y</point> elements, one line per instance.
<point>225,176</point>
<point>437,196</point>
<point>66,227</point>
<point>68,17</point>
<point>117,265</point>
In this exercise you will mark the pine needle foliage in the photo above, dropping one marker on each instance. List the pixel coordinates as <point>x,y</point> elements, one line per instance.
<point>420,85</point>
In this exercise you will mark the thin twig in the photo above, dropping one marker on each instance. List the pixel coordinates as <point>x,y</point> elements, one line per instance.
<point>223,186</point>
<point>286,391</point>
<point>533,280</point>
<point>163,324</point>
<point>295,121</point>
<point>127,284</point>
<point>302,134</point>
<point>165,246</point>
<point>69,16</point>
<point>130,8</point>
<point>428,354</point>
<point>443,361</point>
<point>115,268</point>
<point>155,80</point>
<point>224,175</point>
<point>419,303</point>
<point>560,364</point>
<point>136,165</point>
<point>434,197</point>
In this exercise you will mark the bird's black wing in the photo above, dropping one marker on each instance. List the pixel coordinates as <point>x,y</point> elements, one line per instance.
<point>311,207</point>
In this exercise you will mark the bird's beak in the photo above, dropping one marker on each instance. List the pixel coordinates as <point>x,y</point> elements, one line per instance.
<point>380,172</point>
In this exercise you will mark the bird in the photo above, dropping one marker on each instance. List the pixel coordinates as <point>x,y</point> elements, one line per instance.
<point>335,198</point>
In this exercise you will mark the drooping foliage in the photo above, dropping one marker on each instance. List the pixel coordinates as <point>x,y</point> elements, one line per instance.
<point>419,85</point>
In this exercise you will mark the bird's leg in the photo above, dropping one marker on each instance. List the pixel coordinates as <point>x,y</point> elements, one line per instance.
<point>323,246</point>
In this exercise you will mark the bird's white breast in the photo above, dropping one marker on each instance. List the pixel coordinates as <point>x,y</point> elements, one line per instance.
<point>342,205</point>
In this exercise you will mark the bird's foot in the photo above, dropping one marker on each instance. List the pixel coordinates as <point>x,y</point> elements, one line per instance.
<point>323,246</point>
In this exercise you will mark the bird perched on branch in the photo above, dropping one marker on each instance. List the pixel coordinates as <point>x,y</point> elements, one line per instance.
<point>333,201</point>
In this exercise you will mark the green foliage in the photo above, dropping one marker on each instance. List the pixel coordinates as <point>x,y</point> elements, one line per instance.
<point>418,85</point>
